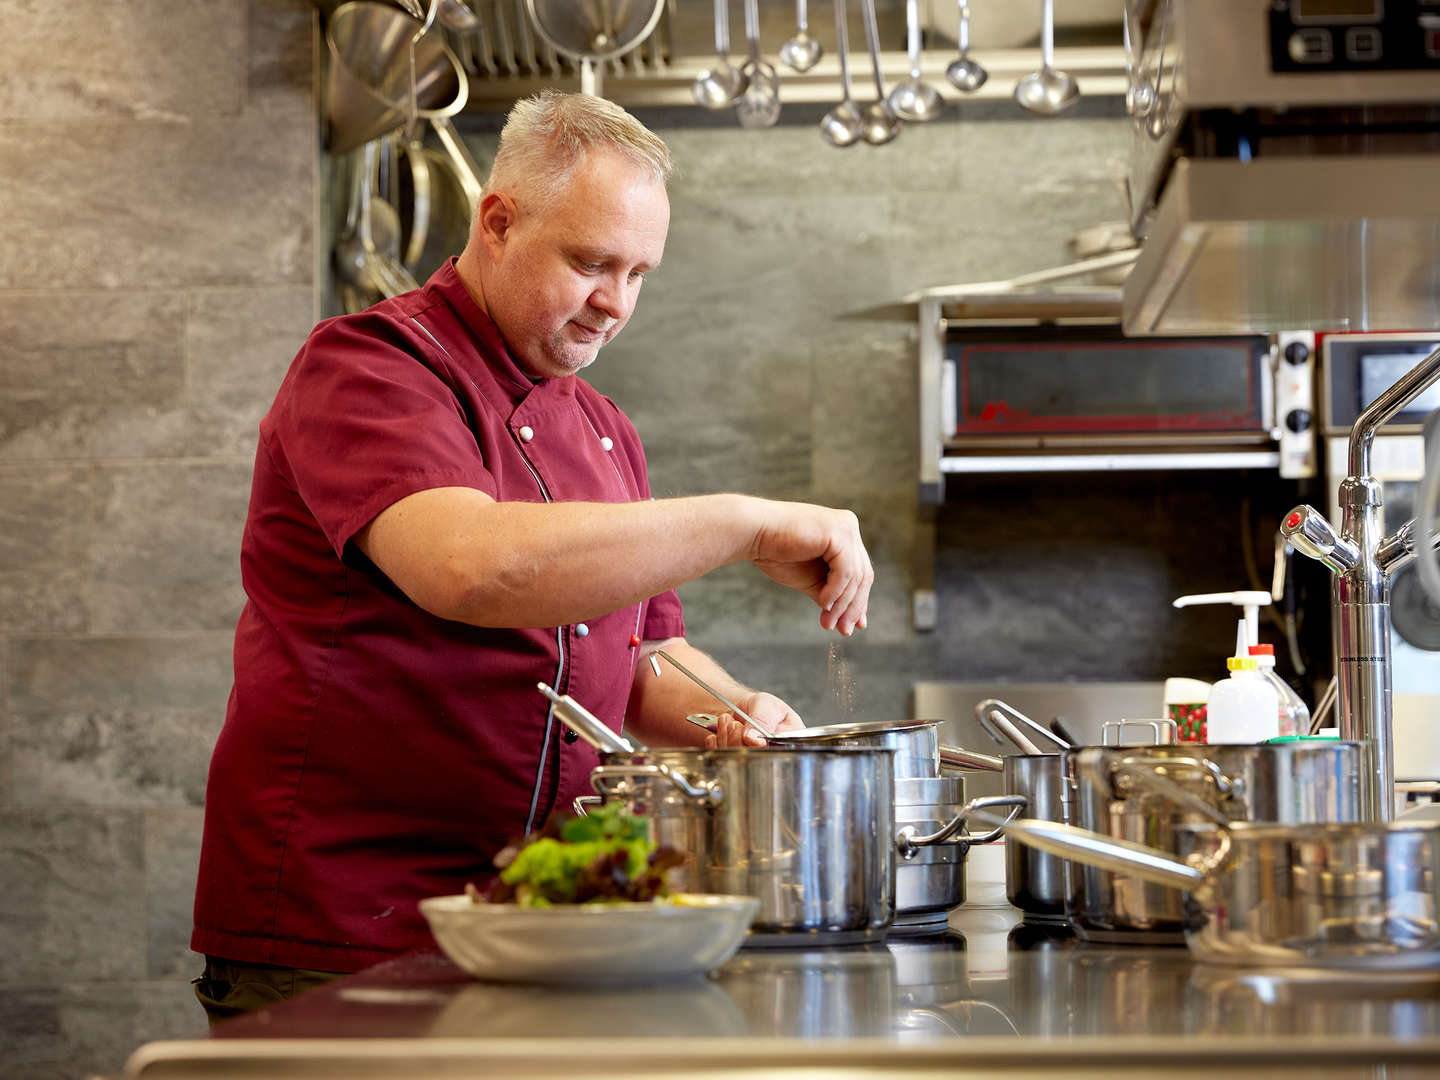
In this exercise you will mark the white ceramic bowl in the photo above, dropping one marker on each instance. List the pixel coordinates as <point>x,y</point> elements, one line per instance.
<point>590,943</point>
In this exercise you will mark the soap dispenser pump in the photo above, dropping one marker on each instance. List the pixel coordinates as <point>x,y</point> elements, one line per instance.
<point>1250,600</point>
<point>1244,708</point>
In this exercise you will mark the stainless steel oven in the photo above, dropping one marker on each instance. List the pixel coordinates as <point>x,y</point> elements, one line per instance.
<point>1046,381</point>
<point>1355,369</point>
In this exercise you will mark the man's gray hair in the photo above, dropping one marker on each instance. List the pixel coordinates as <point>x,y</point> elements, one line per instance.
<point>546,136</point>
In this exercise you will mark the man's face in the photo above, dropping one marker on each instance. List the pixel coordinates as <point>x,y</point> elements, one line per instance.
<point>566,279</point>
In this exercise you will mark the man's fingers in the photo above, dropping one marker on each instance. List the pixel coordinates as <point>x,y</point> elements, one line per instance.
<point>853,617</point>
<point>841,616</point>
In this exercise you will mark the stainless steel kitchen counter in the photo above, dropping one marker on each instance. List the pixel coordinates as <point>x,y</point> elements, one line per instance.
<point>992,996</point>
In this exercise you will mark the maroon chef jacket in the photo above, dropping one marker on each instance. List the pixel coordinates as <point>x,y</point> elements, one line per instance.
<point>372,753</point>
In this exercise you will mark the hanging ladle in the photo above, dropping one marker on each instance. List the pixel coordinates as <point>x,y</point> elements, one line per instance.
<point>842,125</point>
<point>759,105</point>
<point>965,74</point>
<point>1047,91</point>
<point>720,85</point>
<point>880,122</point>
<point>801,52</point>
<point>914,99</point>
<point>1138,94</point>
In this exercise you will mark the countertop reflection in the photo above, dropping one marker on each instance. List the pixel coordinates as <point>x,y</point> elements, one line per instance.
<point>988,974</point>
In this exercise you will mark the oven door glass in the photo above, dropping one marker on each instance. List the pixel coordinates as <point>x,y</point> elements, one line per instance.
<point>1107,385</point>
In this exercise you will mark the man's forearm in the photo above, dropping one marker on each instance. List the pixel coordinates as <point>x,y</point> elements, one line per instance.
<point>659,703</point>
<point>461,555</point>
<point>545,564</point>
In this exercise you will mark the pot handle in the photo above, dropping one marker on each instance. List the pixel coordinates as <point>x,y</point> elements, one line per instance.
<point>953,757</point>
<point>907,843</point>
<point>1121,856</point>
<point>583,803</point>
<point>707,791</point>
<point>1158,727</point>
<point>1144,772</point>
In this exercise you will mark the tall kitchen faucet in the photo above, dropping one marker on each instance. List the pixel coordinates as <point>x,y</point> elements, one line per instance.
<point>1363,563</point>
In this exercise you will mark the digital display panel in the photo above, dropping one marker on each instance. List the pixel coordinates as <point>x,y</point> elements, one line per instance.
<point>1381,370</point>
<point>1336,10</point>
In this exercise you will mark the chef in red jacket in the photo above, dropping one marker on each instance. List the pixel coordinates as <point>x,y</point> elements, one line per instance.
<point>442,516</point>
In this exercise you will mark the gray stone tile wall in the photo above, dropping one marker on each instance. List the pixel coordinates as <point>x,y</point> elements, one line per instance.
<point>158,164</point>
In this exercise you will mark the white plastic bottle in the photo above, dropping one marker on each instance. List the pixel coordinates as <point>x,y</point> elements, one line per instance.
<point>1243,708</point>
<point>1294,713</point>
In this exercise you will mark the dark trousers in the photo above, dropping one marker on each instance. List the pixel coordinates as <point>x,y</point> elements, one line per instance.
<point>227,988</point>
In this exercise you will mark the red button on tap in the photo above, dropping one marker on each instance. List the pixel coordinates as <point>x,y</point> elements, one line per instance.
<point>634,641</point>
<point>1293,520</point>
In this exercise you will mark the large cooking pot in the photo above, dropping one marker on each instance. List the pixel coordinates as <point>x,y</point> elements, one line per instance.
<point>1147,793</point>
<point>810,831</point>
<point>1327,895</point>
<point>918,751</point>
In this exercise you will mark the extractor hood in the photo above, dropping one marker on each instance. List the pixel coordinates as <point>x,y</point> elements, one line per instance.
<point>1285,166</point>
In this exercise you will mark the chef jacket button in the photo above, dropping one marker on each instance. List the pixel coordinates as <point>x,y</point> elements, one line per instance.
<point>527,433</point>
<point>582,630</point>
<point>606,442</point>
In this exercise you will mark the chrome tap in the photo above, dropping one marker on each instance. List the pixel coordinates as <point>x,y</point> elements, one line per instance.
<point>1362,563</point>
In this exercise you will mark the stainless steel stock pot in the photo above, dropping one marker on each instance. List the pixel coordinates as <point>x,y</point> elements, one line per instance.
<point>1146,794</point>
<point>809,830</point>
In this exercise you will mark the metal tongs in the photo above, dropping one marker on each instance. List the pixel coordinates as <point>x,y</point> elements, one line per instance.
<point>1003,721</point>
<point>735,709</point>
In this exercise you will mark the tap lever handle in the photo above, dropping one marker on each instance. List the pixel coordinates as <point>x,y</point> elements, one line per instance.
<point>1309,531</point>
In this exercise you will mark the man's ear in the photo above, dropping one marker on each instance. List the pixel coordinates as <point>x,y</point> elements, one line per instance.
<point>494,220</point>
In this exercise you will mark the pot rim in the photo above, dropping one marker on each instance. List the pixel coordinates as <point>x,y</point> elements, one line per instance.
<point>847,731</point>
<point>770,751</point>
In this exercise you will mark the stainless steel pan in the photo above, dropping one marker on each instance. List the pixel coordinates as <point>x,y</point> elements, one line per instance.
<point>1358,896</point>
<point>1035,882</point>
<point>1147,794</point>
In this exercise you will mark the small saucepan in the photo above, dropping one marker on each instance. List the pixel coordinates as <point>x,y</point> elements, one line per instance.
<point>1345,896</point>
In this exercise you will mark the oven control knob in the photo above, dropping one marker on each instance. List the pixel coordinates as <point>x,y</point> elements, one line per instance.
<point>1297,352</point>
<point>1298,420</point>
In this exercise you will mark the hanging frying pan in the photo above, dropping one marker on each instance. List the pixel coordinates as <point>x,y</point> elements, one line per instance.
<point>593,31</point>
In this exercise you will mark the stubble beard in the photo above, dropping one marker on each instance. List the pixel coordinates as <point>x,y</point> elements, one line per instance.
<point>574,356</point>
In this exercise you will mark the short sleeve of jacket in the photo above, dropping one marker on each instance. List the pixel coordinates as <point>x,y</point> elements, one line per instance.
<point>363,421</point>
